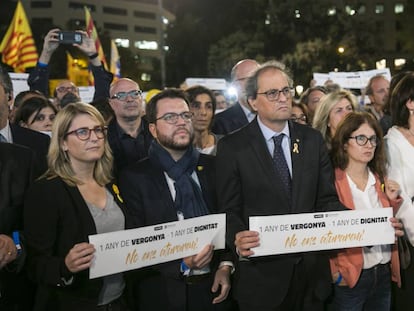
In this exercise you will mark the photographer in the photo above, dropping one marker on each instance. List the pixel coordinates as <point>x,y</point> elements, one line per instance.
<point>39,77</point>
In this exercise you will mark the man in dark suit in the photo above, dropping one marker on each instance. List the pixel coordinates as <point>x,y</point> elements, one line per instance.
<point>250,183</point>
<point>16,174</point>
<point>240,114</point>
<point>128,133</point>
<point>12,133</point>
<point>175,182</point>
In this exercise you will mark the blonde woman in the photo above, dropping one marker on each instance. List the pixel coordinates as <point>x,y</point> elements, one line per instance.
<point>73,200</point>
<point>332,108</point>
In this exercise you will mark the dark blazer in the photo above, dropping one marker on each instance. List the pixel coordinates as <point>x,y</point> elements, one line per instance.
<point>56,218</point>
<point>122,157</point>
<point>36,141</point>
<point>148,200</point>
<point>16,174</point>
<point>248,185</point>
<point>229,120</point>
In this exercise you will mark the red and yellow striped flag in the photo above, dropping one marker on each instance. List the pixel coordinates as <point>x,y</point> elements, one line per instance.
<point>18,47</point>
<point>91,30</point>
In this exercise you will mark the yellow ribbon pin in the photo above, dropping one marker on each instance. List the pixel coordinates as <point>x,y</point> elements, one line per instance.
<point>200,168</point>
<point>295,148</point>
<point>116,191</point>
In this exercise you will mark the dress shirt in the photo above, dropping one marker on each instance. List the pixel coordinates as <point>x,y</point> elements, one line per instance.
<point>6,132</point>
<point>249,114</point>
<point>368,199</point>
<point>268,136</point>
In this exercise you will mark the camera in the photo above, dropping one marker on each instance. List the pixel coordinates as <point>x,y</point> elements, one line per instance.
<point>69,37</point>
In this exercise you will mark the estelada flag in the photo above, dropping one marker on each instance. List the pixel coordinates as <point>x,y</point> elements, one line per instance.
<point>115,61</point>
<point>18,47</point>
<point>91,30</point>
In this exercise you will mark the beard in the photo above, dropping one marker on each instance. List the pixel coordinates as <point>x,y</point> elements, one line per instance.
<point>170,143</point>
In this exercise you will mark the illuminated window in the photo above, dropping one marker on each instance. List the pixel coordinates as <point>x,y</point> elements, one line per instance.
<point>399,8</point>
<point>331,11</point>
<point>349,10</point>
<point>399,62</point>
<point>145,77</point>
<point>381,64</point>
<point>379,9</point>
<point>122,42</point>
<point>146,45</point>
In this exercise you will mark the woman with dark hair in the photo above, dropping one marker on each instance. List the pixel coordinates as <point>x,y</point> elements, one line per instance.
<point>400,151</point>
<point>362,275</point>
<point>76,198</point>
<point>36,113</point>
<point>300,113</point>
<point>203,106</point>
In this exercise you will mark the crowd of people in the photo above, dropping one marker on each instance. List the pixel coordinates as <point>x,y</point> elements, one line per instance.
<point>70,169</point>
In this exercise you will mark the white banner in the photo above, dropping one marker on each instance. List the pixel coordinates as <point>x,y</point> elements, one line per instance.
<point>295,233</point>
<point>350,80</point>
<point>136,248</point>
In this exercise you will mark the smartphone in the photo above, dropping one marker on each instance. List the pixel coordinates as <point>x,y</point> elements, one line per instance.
<point>69,37</point>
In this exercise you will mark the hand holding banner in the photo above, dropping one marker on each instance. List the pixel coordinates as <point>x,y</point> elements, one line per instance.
<point>136,248</point>
<point>320,231</point>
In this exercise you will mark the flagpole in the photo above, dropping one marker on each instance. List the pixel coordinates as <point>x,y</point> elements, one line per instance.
<point>162,50</point>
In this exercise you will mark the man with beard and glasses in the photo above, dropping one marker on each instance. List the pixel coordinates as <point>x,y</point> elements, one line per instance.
<point>175,182</point>
<point>128,133</point>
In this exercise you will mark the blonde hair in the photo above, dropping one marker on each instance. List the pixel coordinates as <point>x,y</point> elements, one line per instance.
<point>325,106</point>
<point>59,164</point>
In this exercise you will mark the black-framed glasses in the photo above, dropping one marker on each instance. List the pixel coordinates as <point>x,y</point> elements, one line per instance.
<point>274,94</point>
<point>362,140</point>
<point>66,89</point>
<point>122,96</point>
<point>84,133</point>
<point>172,118</point>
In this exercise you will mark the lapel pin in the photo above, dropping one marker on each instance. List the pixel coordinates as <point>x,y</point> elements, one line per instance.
<point>296,147</point>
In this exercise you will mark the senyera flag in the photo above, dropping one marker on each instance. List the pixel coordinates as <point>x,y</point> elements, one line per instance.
<point>18,47</point>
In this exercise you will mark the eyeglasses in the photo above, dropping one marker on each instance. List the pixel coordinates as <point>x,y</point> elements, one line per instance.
<point>122,96</point>
<point>273,94</point>
<point>66,89</point>
<point>362,140</point>
<point>172,118</point>
<point>84,133</point>
<point>299,118</point>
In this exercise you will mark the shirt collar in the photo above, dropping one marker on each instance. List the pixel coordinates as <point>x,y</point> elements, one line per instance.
<point>6,132</point>
<point>269,133</point>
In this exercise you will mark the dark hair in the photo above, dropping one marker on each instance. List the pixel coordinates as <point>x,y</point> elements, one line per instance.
<point>20,98</point>
<point>69,98</point>
<point>5,81</point>
<point>346,127</point>
<point>394,81</point>
<point>102,104</point>
<point>151,108</point>
<point>194,91</point>
<point>403,91</point>
<point>30,106</point>
<point>251,84</point>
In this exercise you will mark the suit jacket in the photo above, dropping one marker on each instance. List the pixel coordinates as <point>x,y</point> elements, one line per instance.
<point>229,120</point>
<point>16,174</point>
<point>36,141</point>
<point>149,202</point>
<point>56,218</point>
<point>247,185</point>
<point>122,157</point>
<point>349,262</point>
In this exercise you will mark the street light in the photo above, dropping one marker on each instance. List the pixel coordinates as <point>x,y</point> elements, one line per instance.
<point>341,50</point>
